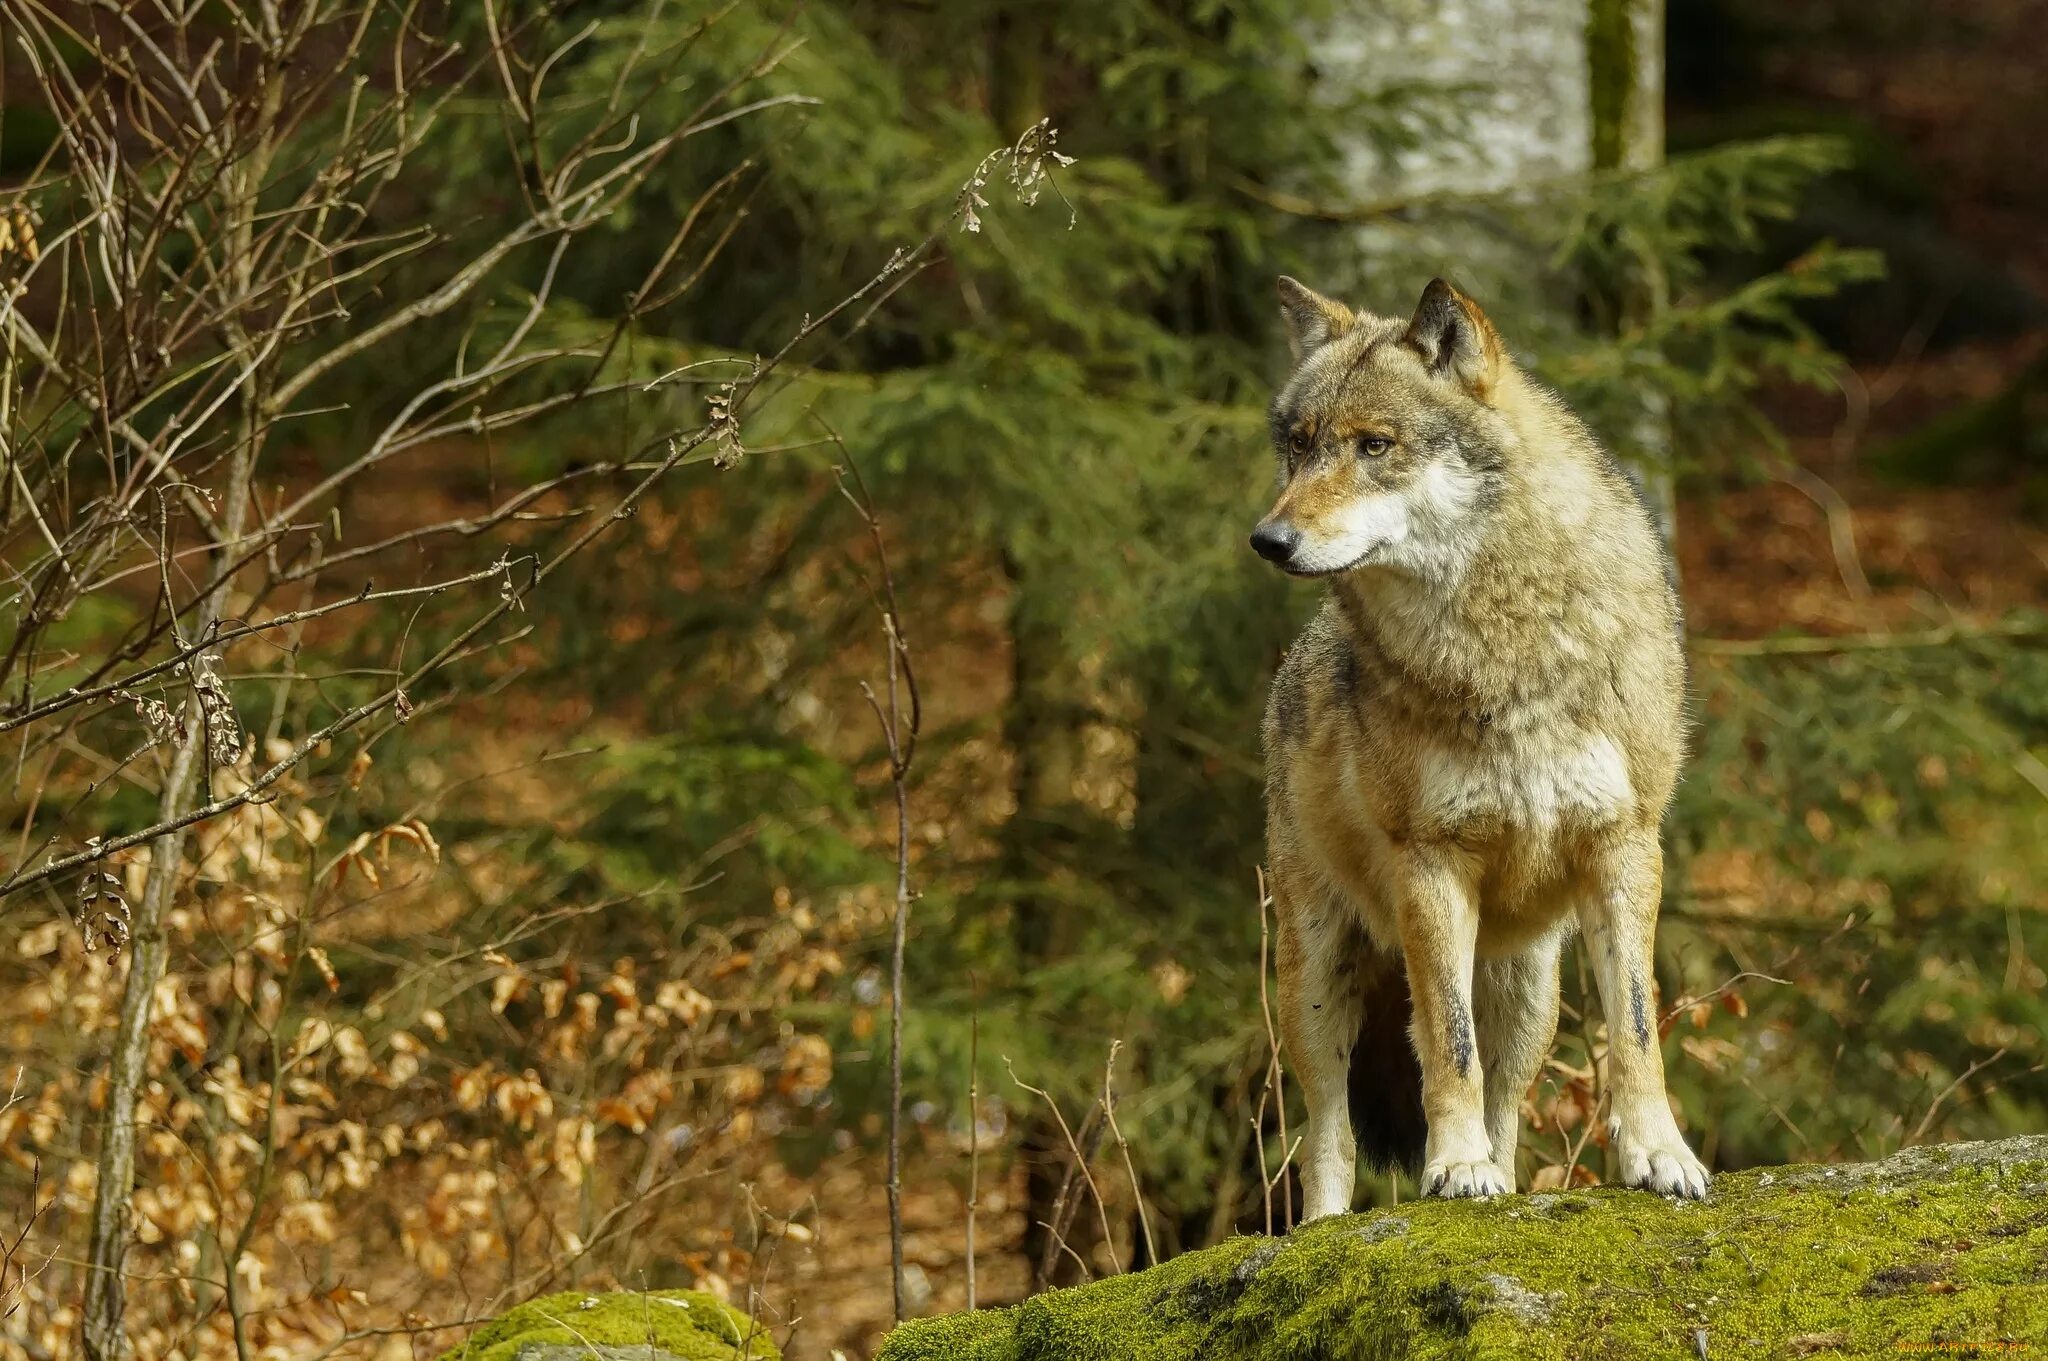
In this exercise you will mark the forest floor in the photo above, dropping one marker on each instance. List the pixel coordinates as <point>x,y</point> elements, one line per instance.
<point>1826,547</point>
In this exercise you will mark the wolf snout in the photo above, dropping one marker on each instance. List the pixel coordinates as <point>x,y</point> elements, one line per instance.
<point>1275,541</point>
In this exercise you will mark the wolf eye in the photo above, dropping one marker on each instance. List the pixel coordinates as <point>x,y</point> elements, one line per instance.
<point>1372,446</point>
<point>1299,441</point>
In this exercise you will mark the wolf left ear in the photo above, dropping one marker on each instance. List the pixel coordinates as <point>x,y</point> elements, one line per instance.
<point>1311,319</point>
<point>1455,339</point>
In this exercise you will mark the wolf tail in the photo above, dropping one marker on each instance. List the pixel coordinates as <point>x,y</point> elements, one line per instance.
<point>1385,1079</point>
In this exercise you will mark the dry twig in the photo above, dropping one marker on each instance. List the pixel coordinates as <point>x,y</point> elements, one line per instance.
<point>899,726</point>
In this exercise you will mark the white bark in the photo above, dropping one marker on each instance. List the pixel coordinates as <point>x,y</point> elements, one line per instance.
<point>1495,96</point>
<point>1513,75</point>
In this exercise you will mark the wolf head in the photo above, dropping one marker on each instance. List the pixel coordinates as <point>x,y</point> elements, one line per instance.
<point>1387,438</point>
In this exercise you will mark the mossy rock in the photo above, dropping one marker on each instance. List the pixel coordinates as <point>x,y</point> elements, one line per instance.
<point>1937,1245</point>
<point>650,1325</point>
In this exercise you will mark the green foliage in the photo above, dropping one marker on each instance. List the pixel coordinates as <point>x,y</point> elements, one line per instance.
<point>1701,351</point>
<point>664,813</point>
<point>1875,827</point>
<point>688,1324</point>
<point>1992,437</point>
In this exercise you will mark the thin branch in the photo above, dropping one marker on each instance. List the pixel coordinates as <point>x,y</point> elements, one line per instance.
<point>220,637</point>
<point>1809,645</point>
<point>1276,1074</point>
<point>1934,1108</point>
<point>1124,1147</point>
<point>899,731</point>
<point>1080,1168</point>
<point>973,1137</point>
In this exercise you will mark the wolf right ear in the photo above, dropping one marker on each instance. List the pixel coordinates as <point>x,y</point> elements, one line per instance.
<point>1455,338</point>
<point>1311,319</point>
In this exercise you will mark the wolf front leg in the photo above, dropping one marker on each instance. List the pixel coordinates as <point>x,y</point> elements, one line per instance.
<point>1619,920</point>
<point>1319,1018</point>
<point>1514,1004</point>
<point>1438,907</point>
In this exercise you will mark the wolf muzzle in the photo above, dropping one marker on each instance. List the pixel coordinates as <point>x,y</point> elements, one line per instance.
<point>1275,541</point>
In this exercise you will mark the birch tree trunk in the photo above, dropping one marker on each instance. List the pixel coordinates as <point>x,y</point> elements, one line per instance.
<point>1510,76</point>
<point>1481,98</point>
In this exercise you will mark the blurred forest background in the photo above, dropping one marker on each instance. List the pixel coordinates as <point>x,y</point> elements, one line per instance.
<point>452,855</point>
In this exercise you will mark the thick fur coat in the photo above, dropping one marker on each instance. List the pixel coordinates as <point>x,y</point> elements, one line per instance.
<point>1469,750</point>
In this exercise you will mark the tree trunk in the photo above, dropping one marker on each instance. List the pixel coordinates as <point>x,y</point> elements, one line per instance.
<point>1041,727</point>
<point>1016,69</point>
<point>1626,42</point>
<point>106,1290</point>
<point>1487,96</point>
<point>1513,93</point>
<point>1043,733</point>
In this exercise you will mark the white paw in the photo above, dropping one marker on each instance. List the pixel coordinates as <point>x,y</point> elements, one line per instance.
<point>1458,1180</point>
<point>1661,1162</point>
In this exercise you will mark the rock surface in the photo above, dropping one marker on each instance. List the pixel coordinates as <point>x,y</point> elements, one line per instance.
<point>1931,1250</point>
<point>652,1325</point>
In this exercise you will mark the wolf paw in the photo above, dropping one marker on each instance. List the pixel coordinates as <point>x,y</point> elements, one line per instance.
<point>1662,1164</point>
<point>1459,1180</point>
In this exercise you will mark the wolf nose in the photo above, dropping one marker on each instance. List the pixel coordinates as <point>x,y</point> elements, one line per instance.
<point>1276,542</point>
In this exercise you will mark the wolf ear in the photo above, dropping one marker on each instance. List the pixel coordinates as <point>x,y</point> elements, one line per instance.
<point>1454,338</point>
<point>1311,319</point>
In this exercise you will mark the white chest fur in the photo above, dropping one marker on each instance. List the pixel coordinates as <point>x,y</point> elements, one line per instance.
<point>1535,785</point>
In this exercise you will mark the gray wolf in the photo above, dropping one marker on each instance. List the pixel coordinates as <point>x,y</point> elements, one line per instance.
<point>1469,750</point>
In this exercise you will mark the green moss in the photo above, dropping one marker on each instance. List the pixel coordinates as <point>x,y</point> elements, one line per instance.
<point>1934,1246</point>
<point>685,1323</point>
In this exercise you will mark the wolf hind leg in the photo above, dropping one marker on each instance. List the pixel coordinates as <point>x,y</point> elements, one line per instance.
<point>1514,1011</point>
<point>1319,1017</point>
